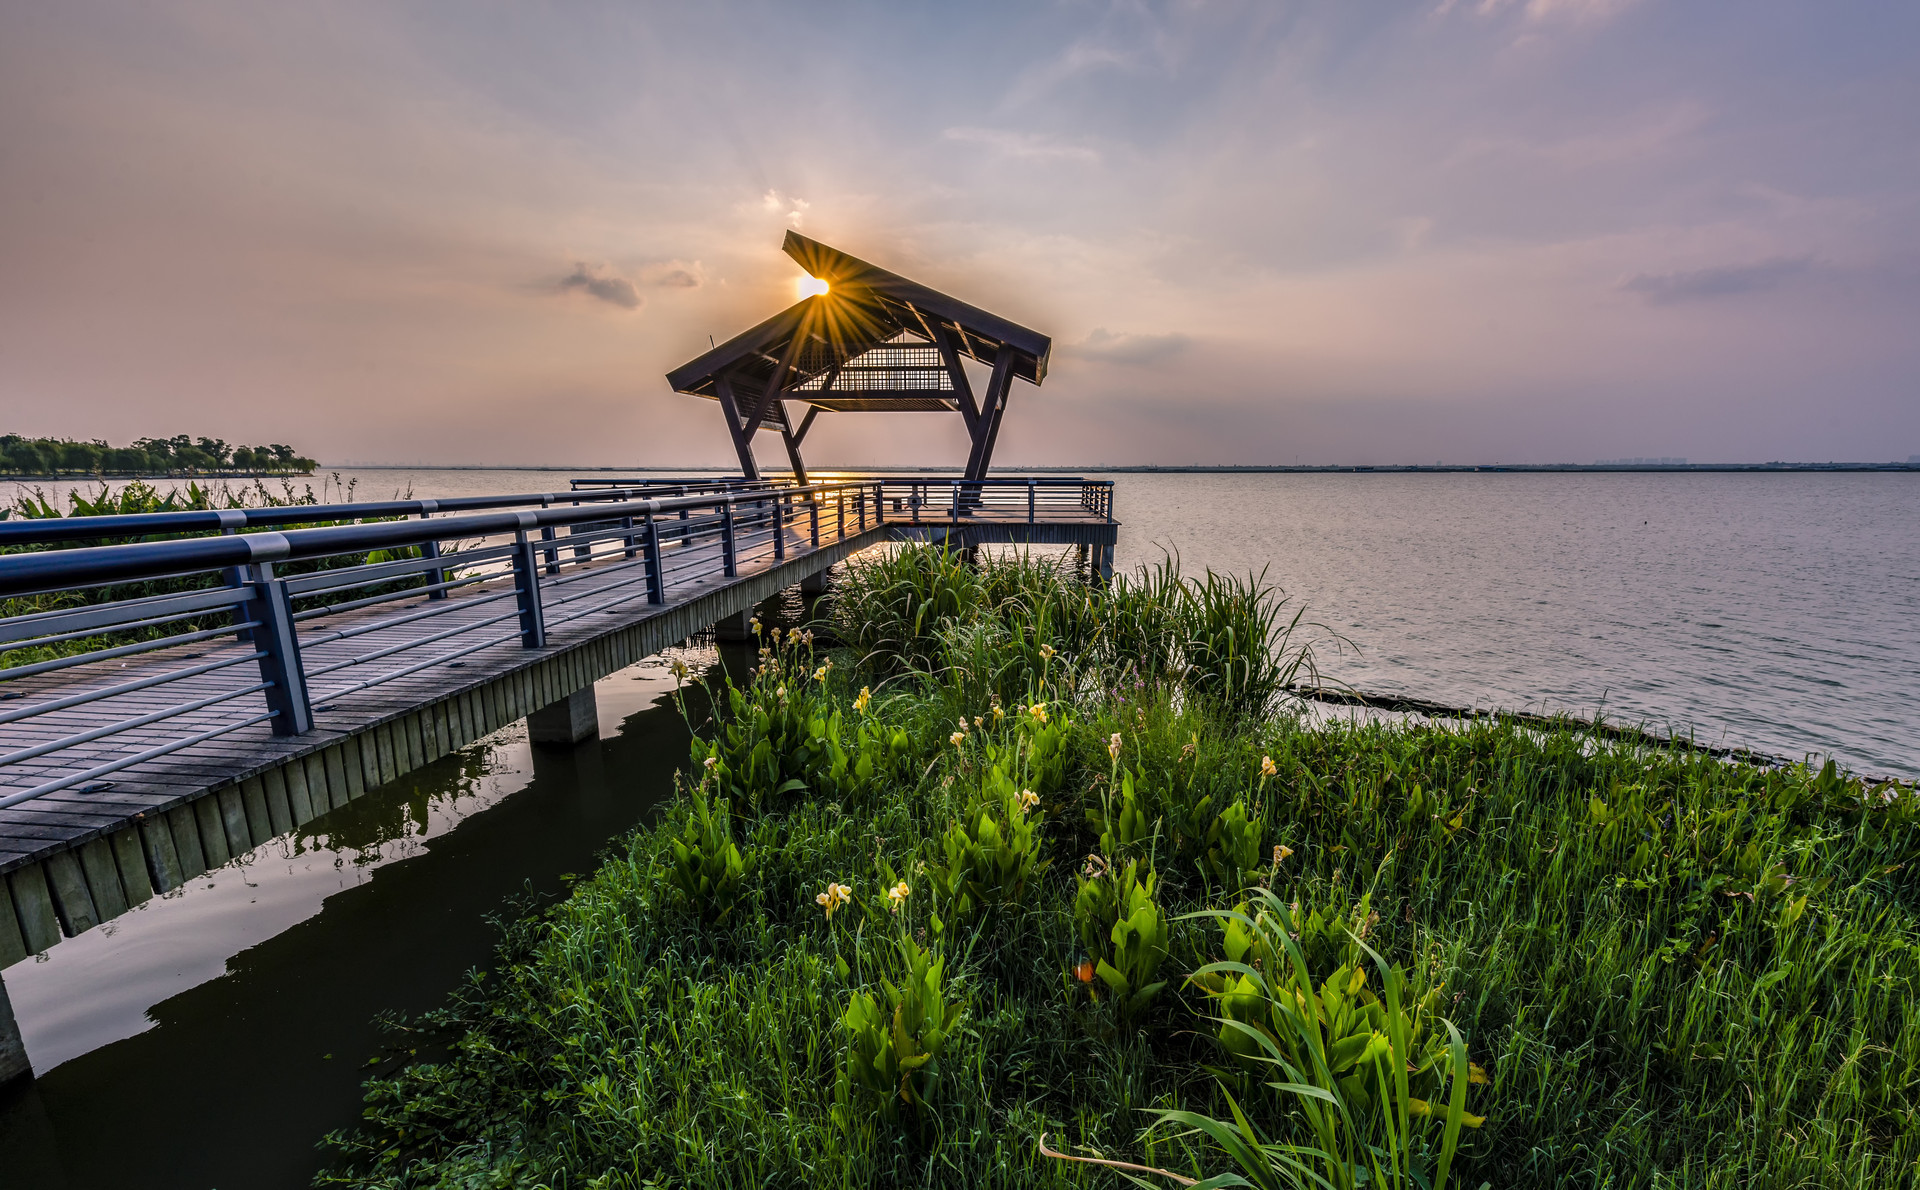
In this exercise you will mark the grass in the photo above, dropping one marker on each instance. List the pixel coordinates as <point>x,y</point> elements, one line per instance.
<point>1661,969</point>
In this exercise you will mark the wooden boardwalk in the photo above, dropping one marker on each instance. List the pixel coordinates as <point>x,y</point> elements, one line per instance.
<point>392,687</point>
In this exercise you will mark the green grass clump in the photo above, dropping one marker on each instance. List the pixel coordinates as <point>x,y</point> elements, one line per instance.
<point>1482,952</point>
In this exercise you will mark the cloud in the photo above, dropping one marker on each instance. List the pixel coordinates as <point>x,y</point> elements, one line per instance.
<point>1661,289</point>
<point>1110,348</point>
<point>1025,145</point>
<point>774,202</point>
<point>616,291</point>
<point>673,274</point>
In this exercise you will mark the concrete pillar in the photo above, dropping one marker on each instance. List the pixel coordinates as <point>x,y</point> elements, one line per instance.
<point>572,719</point>
<point>734,628</point>
<point>13,1051</point>
<point>814,584</point>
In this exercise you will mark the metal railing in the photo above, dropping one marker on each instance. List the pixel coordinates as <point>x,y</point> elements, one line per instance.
<point>922,500</point>
<point>131,652</point>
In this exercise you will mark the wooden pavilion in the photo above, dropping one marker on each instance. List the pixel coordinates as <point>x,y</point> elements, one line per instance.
<point>874,342</point>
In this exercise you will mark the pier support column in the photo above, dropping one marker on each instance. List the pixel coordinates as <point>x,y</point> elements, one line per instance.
<point>13,1051</point>
<point>734,628</point>
<point>814,584</point>
<point>572,719</point>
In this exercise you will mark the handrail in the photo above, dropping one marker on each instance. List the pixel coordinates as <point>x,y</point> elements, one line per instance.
<point>44,530</point>
<point>29,573</point>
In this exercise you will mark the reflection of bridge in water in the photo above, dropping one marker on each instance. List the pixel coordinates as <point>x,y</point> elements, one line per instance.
<point>191,685</point>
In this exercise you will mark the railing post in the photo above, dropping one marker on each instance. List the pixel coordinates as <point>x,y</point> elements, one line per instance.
<point>813,517</point>
<point>956,502</point>
<point>279,645</point>
<point>729,563</point>
<point>552,552</point>
<point>431,549</point>
<point>1032,488</point>
<point>626,523</point>
<point>575,530</point>
<point>231,520</point>
<point>840,513</point>
<point>779,527</point>
<point>861,496</point>
<point>656,574</point>
<point>526,583</point>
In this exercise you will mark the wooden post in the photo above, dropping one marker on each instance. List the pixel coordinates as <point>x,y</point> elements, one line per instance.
<point>656,576</point>
<point>526,581</point>
<point>432,550</point>
<point>13,1051</point>
<point>742,444</point>
<point>280,645</point>
<point>574,718</point>
<point>992,408</point>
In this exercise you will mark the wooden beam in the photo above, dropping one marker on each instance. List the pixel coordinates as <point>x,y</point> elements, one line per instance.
<point>993,408</point>
<point>806,423</point>
<point>793,447</point>
<point>742,443</point>
<point>962,388</point>
<point>771,395</point>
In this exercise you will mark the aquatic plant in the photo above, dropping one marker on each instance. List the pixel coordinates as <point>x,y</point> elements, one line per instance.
<point>1123,932</point>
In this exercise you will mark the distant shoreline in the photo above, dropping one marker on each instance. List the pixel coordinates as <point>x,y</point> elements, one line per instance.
<point>1196,469</point>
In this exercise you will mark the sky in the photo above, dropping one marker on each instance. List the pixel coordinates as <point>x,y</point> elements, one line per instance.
<point>1456,230</point>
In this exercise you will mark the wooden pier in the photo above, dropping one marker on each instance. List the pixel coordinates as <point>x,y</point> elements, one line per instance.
<point>342,657</point>
<point>218,679</point>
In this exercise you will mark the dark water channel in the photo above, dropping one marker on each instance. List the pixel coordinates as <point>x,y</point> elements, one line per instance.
<point>212,1037</point>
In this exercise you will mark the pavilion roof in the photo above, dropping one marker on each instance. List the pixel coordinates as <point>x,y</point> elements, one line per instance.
<point>875,341</point>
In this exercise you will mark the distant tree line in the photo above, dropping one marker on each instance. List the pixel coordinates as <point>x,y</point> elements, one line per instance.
<point>178,455</point>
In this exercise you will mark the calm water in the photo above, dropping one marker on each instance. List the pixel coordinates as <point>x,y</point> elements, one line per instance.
<point>1778,612</point>
<point>211,1037</point>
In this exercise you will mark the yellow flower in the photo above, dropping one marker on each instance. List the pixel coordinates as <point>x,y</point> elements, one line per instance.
<point>1280,853</point>
<point>860,702</point>
<point>755,625</point>
<point>835,896</point>
<point>1113,746</point>
<point>998,713</point>
<point>820,675</point>
<point>978,721</point>
<point>1039,711</point>
<point>1028,800</point>
<point>957,738</point>
<point>898,894</point>
<point>780,692</point>
<point>1267,768</point>
<point>712,760</point>
<point>678,669</point>
<point>776,634</point>
<point>1046,652</point>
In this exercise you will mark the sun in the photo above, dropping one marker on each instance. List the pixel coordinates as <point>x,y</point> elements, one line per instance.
<point>809,286</point>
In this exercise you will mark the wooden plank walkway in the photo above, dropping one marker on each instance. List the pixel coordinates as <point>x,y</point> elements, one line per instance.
<point>387,700</point>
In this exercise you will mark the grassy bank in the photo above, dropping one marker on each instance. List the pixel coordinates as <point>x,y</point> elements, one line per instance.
<point>1024,860</point>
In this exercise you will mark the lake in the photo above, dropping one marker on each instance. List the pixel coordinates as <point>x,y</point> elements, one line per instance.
<point>1770,611</point>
